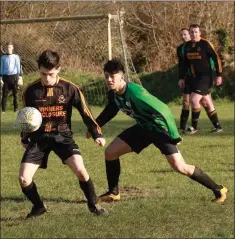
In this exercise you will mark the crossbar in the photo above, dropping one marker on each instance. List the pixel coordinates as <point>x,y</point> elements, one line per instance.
<point>53,19</point>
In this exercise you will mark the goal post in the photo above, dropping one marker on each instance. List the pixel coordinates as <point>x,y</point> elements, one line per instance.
<point>84,43</point>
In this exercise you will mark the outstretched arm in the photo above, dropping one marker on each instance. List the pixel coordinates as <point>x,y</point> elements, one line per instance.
<point>80,103</point>
<point>109,112</point>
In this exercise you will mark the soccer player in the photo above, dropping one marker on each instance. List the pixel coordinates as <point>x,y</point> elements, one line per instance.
<point>185,83</point>
<point>10,73</point>
<point>154,124</point>
<point>198,54</point>
<point>54,97</point>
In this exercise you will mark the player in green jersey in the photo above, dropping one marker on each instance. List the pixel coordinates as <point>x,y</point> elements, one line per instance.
<point>155,125</point>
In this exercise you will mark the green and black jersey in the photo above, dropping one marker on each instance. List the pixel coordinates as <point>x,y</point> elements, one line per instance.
<point>55,104</point>
<point>180,55</point>
<point>146,109</point>
<point>199,59</point>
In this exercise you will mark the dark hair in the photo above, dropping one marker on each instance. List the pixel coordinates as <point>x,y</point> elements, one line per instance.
<point>49,59</point>
<point>194,26</point>
<point>114,66</point>
<point>184,29</point>
<point>9,43</point>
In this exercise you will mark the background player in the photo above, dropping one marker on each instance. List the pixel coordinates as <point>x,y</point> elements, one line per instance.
<point>197,57</point>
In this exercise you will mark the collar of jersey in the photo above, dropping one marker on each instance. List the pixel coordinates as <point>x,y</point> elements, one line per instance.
<point>57,80</point>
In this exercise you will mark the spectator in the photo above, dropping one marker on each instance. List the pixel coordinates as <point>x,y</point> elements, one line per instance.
<point>10,73</point>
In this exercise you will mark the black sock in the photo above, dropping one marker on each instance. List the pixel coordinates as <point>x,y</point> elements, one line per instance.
<point>202,178</point>
<point>195,117</point>
<point>214,119</point>
<point>113,170</point>
<point>184,118</point>
<point>89,191</point>
<point>32,194</point>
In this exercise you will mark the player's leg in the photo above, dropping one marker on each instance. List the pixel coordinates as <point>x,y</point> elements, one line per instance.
<point>177,162</point>
<point>184,112</point>
<point>66,148</point>
<point>132,139</point>
<point>116,149</point>
<point>207,103</point>
<point>200,87</point>
<point>186,104</point>
<point>29,188</point>
<point>76,164</point>
<point>35,156</point>
<point>196,110</point>
<point>5,92</point>
<point>14,93</point>
<point>175,159</point>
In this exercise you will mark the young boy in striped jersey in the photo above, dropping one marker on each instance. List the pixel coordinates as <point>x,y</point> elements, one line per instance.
<point>54,97</point>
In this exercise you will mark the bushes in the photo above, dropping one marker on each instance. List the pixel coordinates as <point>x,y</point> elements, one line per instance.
<point>164,85</point>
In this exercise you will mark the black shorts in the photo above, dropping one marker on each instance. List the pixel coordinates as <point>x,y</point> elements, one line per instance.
<point>40,147</point>
<point>187,86</point>
<point>139,138</point>
<point>202,84</point>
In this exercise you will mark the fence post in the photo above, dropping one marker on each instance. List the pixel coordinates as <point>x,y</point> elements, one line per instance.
<point>120,21</point>
<point>109,37</point>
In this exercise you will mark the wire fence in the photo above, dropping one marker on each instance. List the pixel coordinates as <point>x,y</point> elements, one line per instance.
<point>84,44</point>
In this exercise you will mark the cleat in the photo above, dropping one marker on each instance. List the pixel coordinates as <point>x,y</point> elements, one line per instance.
<point>37,211</point>
<point>98,210</point>
<point>191,130</point>
<point>109,197</point>
<point>220,195</point>
<point>217,130</point>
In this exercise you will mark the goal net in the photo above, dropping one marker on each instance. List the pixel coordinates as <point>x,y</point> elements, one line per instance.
<point>84,43</point>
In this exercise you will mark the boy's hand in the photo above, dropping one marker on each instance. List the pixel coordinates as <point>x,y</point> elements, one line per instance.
<point>100,141</point>
<point>181,83</point>
<point>218,81</point>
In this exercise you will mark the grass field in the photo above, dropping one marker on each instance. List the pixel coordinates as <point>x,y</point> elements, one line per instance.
<point>156,201</point>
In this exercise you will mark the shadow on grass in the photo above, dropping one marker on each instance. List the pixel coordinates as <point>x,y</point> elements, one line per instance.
<point>14,221</point>
<point>162,171</point>
<point>57,200</point>
<point>215,146</point>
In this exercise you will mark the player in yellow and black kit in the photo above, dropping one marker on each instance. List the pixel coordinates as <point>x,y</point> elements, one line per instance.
<point>186,85</point>
<point>54,97</point>
<point>197,62</point>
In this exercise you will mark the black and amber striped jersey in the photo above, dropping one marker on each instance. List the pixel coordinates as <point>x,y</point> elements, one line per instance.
<point>197,59</point>
<point>55,104</point>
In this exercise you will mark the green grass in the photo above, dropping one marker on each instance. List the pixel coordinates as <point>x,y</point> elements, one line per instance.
<point>156,201</point>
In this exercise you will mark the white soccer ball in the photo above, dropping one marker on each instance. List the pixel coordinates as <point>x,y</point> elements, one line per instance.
<point>29,119</point>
